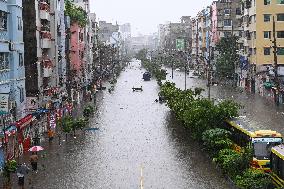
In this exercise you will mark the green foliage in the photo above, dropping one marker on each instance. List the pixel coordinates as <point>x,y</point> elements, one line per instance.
<point>229,160</point>
<point>155,69</point>
<point>253,179</point>
<point>142,55</point>
<point>233,162</point>
<point>228,57</point>
<point>67,124</point>
<point>197,112</point>
<point>80,123</point>
<point>76,14</point>
<point>10,166</point>
<point>88,111</point>
<point>216,140</point>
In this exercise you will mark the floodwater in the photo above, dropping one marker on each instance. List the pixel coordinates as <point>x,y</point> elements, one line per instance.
<point>262,112</point>
<point>139,144</point>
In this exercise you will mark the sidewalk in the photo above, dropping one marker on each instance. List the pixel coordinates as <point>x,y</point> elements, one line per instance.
<point>54,148</point>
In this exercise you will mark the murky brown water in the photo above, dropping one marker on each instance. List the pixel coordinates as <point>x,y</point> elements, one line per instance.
<point>134,132</point>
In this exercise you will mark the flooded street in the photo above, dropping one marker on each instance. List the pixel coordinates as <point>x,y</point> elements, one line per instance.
<point>256,108</point>
<point>138,141</point>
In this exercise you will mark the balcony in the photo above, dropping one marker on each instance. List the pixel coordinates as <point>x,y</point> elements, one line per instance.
<point>44,11</point>
<point>45,40</point>
<point>47,67</point>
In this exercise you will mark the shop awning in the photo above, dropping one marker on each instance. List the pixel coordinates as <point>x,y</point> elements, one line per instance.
<point>22,123</point>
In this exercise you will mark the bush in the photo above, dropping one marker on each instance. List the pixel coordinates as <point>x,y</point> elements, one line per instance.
<point>229,160</point>
<point>216,140</point>
<point>80,123</point>
<point>88,111</point>
<point>234,163</point>
<point>253,179</point>
<point>67,124</point>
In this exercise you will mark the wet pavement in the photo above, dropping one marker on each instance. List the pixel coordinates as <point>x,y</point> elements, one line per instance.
<point>136,136</point>
<point>262,112</point>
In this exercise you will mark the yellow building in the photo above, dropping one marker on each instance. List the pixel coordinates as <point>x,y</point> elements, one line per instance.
<point>258,37</point>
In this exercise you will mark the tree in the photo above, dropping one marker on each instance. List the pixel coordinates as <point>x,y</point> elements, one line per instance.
<point>76,14</point>
<point>142,55</point>
<point>228,57</point>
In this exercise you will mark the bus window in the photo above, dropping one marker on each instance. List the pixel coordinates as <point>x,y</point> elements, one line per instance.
<point>262,150</point>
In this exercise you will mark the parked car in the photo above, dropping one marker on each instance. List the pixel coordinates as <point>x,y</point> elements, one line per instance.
<point>147,76</point>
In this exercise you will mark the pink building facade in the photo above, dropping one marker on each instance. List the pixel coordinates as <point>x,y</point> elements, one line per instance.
<point>214,19</point>
<point>77,49</point>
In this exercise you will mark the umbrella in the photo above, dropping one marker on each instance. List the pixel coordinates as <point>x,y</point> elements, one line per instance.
<point>91,129</point>
<point>22,169</point>
<point>36,149</point>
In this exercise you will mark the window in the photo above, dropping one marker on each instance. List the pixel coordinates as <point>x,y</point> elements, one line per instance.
<point>280,51</point>
<point>280,17</point>
<point>280,34</point>
<point>21,61</point>
<point>20,25</point>
<point>266,17</point>
<point>227,11</point>
<point>227,34</point>
<point>280,2</point>
<point>22,97</point>
<point>267,2</point>
<point>267,34</point>
<point>227,22</point>
<point>238,11</point>
<point>266,50</point>
<point>3,20</point>
<point>4,61</point>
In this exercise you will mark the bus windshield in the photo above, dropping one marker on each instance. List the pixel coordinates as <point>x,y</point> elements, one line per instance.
<point>262,149</point>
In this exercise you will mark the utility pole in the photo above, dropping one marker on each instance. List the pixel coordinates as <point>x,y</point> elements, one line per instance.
<point>276,96</point>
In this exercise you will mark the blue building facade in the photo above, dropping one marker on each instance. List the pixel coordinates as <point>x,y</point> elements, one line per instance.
<point>12,69</point>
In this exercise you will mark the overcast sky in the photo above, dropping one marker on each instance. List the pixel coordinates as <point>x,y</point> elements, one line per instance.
<point>145,15</point>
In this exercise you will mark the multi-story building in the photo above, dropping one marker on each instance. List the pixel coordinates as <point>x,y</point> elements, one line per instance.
<point>258,49</point>
<point>106,31</point>
<point>12,76</point>
<point>41,52</point>
<point>12,70</point>
<point>226,19</point>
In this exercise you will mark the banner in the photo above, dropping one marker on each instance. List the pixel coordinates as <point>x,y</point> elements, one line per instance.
<point>180,44</point>
<point>4,103</point>
<point>32,103</point>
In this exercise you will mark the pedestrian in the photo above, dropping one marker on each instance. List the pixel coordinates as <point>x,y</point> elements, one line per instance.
<point>21,171</point>
<point>21,180</point>
<point>50,134</point>
<point>33,160</point>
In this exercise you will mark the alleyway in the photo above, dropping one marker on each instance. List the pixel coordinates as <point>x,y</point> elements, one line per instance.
<point>136,136</point>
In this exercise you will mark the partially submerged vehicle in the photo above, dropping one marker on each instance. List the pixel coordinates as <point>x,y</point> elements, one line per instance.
<point>147,76</point>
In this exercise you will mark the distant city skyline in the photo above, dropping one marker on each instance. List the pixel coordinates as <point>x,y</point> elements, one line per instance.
<point>145,16</point>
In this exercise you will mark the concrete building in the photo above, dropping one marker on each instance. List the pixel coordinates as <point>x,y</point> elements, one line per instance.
<point>41,19</point>
<point>171,32</point>
<point>106,31</point>
<point>226,19</point>
<point>12,69</point>
<point>258,36</point>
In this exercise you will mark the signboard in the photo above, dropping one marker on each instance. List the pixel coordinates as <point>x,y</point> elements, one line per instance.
<point>266,140</point>
<point>32,103</point>
<point>180,44</point>
<point>4,103</point>
<point>52,120</point>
